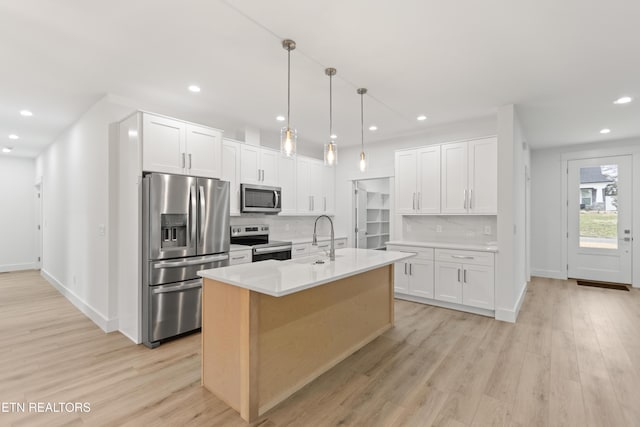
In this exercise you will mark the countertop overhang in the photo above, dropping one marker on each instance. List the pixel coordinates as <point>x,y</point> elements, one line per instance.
<point>280,278</point>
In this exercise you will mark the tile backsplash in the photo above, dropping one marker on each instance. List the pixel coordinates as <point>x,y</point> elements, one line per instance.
<point>285,227</point>
<point>450,228</point>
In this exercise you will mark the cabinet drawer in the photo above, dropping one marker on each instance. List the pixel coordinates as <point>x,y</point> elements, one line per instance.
<point>240,257</point>
<point>421,253</point>
<point>465,257</point>
<point>323,246</point>
<point>341,243</point>
<point>300,250</point>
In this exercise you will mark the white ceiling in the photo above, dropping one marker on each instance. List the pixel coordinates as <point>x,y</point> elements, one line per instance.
<point>561,62</point>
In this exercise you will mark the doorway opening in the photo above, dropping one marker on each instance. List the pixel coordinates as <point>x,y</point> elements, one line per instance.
<point>39,225</point>
<point>372,213</point>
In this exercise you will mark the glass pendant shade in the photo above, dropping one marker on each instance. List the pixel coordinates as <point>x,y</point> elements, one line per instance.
<point>363,162</point>
<point>288,140</point>
<point>330,154</point>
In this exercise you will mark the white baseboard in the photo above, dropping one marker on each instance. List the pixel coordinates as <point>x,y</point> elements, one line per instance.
<point>511,315</point>
<point>107,325</point>
<point>444,304</point>
<point>550,274</point>
<point>18,267</point>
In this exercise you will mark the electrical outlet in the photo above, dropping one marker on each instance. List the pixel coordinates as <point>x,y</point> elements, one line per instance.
<point>487,229</point>
<point>102,229</point>
<point>438,228</point>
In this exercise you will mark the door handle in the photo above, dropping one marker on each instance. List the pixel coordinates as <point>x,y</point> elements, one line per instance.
<point>202,213</point>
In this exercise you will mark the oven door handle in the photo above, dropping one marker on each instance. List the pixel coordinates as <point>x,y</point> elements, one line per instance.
<point>181,287</point>
<point>272,249</point>
<point>202,260</point>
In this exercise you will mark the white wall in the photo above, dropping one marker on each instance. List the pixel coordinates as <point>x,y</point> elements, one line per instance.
<point>18,248</point>
<point>547,242</point>
<point>75,171</point>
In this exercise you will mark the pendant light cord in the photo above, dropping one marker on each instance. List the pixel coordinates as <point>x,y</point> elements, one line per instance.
<point>288,87</point>
<point>330,108</point>
<point>362,120</point>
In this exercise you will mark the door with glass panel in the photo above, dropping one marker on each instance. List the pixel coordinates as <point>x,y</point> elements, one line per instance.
<point>599,219</point>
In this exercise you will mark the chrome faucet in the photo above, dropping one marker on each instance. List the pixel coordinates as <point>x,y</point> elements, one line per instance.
<point>332,250</point>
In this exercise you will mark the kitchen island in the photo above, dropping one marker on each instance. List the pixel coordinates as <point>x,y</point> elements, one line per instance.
<point>271,327</point>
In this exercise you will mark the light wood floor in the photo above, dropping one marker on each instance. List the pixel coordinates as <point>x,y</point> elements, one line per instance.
<point>573,358</point>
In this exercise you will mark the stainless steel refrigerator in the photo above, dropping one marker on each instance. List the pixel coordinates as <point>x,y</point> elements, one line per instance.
<point>186,229</point>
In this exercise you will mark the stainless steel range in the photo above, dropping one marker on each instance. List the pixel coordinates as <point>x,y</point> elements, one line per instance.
<point>257,237</point>
<point>185,230</point>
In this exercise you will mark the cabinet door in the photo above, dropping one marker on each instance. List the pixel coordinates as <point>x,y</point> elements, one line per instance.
<point>269,166</point>
<point>315,186</point>
<point>204,151</point>
<point>231,173</point>
<point>483,176</point>
<point>428,197</point>
<point>303,197</point>
<point>163,145</point>
<point>287,182</point>
<point>454,178</point>
<point>448,282</point>
<point>329,190</point>
<point>401,277</point>
<point>478,286</point>
<point>421,278</point>
<point>406,179</point>
<point>250,164</point>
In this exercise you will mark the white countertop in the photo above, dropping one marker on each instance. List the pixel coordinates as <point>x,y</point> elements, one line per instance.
<point>447,245</point>
<point>280,278</point>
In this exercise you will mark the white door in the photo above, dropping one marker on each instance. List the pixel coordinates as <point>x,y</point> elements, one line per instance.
<point>287,182</point>
<point>39,223</point>
<point>250,164</point>
<point>421,278</point>
<point>361,218</point>
<point>406,178</point>
<point>163,145</point>
<point>454,178</point>
<point>599,219</point>
<point>401,277</point>
<point>428,197</point>
<point>204,151</point>
<point>478,286</point>
<point>269,166</point>
<point>483,176</point>
<point>448,282</point>
<point>231,173</point>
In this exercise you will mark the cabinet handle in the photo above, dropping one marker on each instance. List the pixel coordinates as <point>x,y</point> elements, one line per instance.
<point>410,269</point>
<point>465,198</point>
<point>458,275</point>
<point>414,201</point>
<point>462,257</point>
<point>405,268</point>
<point>258,174</point>
<point>238,257</point>
<point>418,200</point>
<point>470,198</point>
<point>189,160</point>
<point>313,203</point>
<point>325,203</point>
<point>262,175</point>
<point>464,276</point>
<point>183,161</point>
<point>300,249</point>
<point>310,204</point>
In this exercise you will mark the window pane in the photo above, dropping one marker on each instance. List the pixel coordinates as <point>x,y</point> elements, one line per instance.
<point>599,207</point>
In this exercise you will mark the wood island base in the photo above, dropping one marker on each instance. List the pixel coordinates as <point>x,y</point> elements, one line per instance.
<point>257,350</point>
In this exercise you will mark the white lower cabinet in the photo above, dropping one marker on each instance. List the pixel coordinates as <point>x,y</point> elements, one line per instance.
<point>414,276</point>
<point>240,257</point>
<point>300,250</point>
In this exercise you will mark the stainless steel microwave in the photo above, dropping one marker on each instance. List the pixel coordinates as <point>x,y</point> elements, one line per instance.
<point>260,198</point>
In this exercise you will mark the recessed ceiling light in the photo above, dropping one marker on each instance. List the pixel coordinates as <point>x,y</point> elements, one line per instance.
<point>333,136</point>
<point>26,113</point>
<point>7,149</point>
<point>280,118</point>
<point>14,136</point>
<point>605,130</point>
<point>194,88</point>
<point>373,128</point>
<point>623,100</point>
<point>421,118</point>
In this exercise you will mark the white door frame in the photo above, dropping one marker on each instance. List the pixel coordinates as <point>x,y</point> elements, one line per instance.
<point>392,206</point>
<point>635,184</point>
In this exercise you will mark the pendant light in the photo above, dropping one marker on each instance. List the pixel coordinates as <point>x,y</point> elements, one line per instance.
<point>363,161</point>
<point>288,136</point>
<point>331,148</point>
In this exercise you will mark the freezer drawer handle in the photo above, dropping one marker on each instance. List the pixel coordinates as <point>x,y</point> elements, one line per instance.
<point>178,288</point>
<point>272,249</point>
<point>203,260</point>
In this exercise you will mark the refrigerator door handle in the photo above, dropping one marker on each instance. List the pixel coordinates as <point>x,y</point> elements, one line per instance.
<point>202,213</point>
<point>192,213</point>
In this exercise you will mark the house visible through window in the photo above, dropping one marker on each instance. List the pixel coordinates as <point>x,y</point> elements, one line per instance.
<point>586,196</point>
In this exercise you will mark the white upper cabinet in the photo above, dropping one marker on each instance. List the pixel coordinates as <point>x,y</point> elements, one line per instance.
<point>329,190</point>
<point>418,180</point>
<point>454,190</point>
<point>315,187</point>
<point>287,183</point>
<point>231,173</point>
<point>164,145</point>
<point>173,146</point>
<point>483,176</point>
<point>316,175</point>
<point>204,147</point>
<point>303,192</point>
<point>258,165</point>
